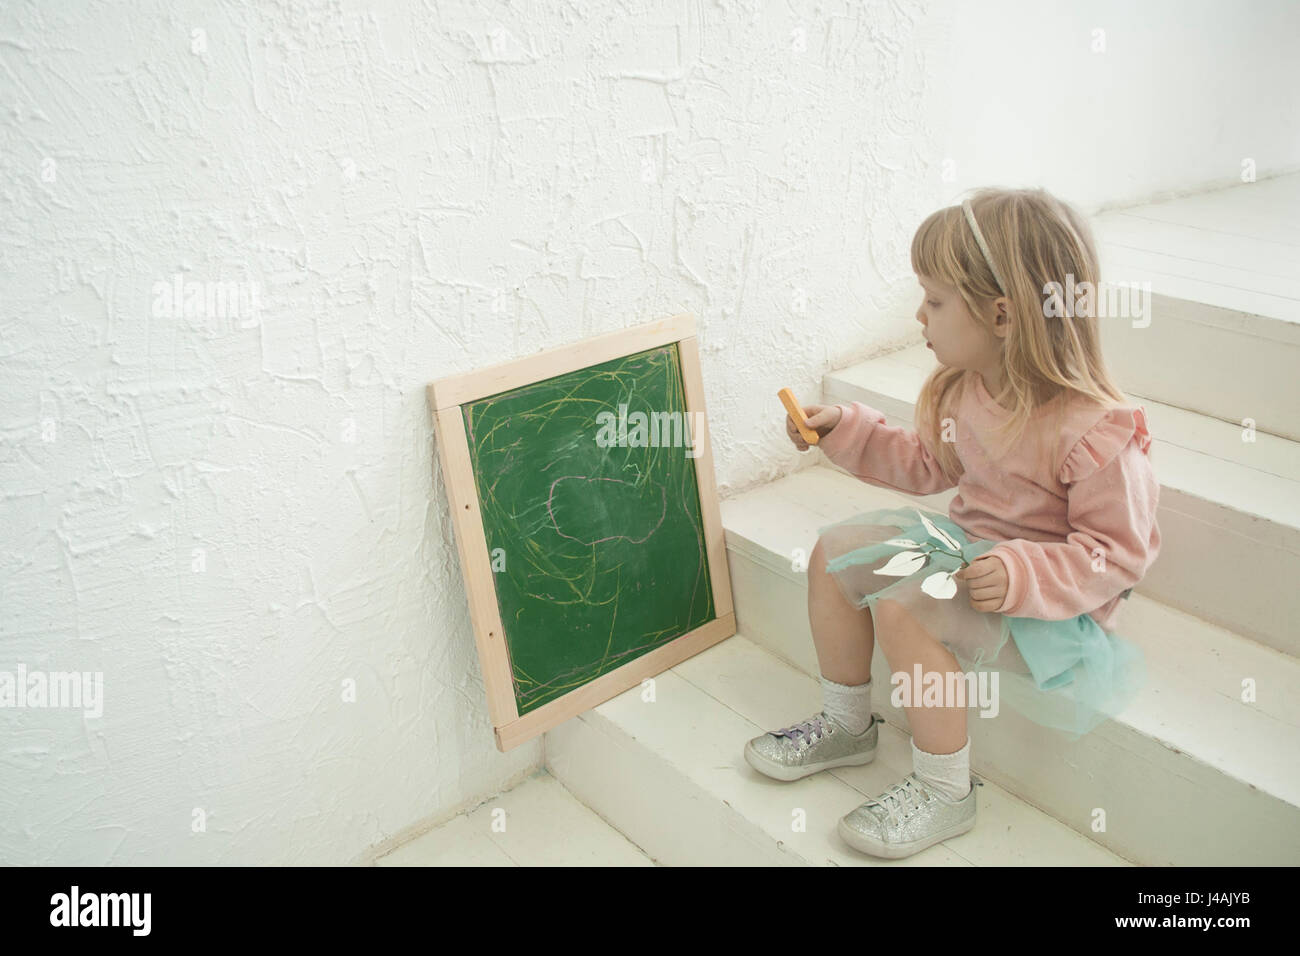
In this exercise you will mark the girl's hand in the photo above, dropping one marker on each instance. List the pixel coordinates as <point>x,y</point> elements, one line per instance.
<point>821,419</point>
<point>987,582</point>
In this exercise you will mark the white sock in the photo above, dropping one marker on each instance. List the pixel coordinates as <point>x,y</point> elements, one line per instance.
<point>948,774</point>
<point>850,706</point>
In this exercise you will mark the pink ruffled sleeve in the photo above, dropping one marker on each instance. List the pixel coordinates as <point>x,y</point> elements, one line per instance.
<point>883,455</point>
<point>1105,440</point>
<point>1112,498</point>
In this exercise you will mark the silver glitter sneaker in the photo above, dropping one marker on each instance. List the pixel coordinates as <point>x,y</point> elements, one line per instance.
<point>816,744</point>
<point>907,818</point>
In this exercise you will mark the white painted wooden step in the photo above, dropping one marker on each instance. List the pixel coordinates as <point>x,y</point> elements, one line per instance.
<point>540,824</point>
<point>1224,271</point>
<point>1188,775</point>
<point>671,775</point>
<point>1229,510</point>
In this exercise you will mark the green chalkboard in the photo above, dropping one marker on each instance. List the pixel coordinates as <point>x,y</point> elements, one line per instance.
<point>591,513</point>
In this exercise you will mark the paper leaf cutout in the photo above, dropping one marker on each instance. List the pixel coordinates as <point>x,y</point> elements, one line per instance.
<point>938,533</point>
<point>903,564</point>
<point>904,542</point>
<point>940,585</point>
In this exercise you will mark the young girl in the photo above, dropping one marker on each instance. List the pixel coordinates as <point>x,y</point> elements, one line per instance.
<point>1053,524</point>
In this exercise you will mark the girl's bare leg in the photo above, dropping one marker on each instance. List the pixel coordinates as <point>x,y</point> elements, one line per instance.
<point>843,634</point>
<point>905,643</point>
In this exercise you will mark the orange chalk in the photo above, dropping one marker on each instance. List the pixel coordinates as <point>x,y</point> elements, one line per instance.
<point>797,414</point>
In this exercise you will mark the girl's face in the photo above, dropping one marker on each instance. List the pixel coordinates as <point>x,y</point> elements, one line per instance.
<point>956,339</point>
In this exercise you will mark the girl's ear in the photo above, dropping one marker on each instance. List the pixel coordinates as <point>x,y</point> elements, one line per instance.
<point>1001,317</point>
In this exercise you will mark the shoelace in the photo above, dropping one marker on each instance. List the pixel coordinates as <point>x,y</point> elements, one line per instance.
<point>902,798</point>
<point>812,730</point>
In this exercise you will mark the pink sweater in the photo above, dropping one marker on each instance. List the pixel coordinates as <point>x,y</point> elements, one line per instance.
<point>1075,535</point>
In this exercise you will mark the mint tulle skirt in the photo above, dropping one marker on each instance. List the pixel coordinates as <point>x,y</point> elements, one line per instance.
<point>1067,675</point>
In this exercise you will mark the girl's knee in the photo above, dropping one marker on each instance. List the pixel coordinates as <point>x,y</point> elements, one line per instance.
<point>888,610</point>
<point>891,621</point>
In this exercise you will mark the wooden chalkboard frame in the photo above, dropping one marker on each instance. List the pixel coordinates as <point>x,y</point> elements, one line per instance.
<point>446,396</point>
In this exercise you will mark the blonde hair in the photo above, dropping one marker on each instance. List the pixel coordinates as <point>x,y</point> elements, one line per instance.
<point>1035,239</point>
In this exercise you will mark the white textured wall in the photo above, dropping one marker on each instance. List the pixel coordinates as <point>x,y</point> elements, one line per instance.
<point>1176,95</point>
<point>230,518</point>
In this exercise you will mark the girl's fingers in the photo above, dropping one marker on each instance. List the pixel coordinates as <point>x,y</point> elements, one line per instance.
<point>977,569</point>
<point>794,434</point>
<point>817,415</point>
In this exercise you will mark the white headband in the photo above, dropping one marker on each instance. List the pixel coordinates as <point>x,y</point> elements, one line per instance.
<point>984,248</point>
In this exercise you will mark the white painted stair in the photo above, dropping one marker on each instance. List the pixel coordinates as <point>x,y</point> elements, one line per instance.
<point>1224,271</point>
<point>671,775</point>
<point>534,823</point>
